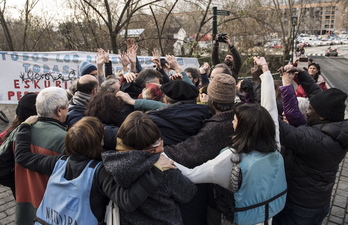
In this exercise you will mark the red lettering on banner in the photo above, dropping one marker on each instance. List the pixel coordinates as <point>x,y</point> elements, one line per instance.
<point>19,95</point>
<point>16,84</point>
<point>58,83</point>
<point>36,84</point>
<point>47,83</point>
<point>10,94</point>
<point>26,84</point>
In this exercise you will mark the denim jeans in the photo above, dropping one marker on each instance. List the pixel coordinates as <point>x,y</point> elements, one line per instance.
<point>293,214</point>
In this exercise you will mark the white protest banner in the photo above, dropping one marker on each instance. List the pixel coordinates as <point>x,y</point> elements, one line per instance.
<point>23,72</point>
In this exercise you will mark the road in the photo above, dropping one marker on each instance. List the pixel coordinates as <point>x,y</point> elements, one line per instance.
<point>334,69</point>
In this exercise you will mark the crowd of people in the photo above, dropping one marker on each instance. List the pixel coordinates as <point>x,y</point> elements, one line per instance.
<point>168,145</point>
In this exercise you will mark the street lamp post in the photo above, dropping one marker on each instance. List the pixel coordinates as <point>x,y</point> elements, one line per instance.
<point>294,23</point>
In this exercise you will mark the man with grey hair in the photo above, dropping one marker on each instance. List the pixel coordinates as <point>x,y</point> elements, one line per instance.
<point>47,138</point>
<point>110,85</point>
<point>86,87</point>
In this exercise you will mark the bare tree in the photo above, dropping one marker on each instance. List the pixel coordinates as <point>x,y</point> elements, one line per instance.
<point>5,25</point>
<point>29,5</point>
<point>115,17</point>
<point>160,29</point>
<point>283,11</point>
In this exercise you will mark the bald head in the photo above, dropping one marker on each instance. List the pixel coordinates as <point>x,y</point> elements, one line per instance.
<point>87,84</point>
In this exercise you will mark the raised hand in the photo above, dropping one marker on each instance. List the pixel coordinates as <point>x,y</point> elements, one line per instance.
<point>205,68</point>
<point>156,59</point>
<point>172,63</point>
<point>129,77</point>
<point>130,42</point>
<point>132,53</point>
<point>156,55</point>
<point>102,56</point>
<point>261,62</point>
<point>124,59</point>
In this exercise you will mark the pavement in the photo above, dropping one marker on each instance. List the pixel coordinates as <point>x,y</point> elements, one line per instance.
<point>338,214</point>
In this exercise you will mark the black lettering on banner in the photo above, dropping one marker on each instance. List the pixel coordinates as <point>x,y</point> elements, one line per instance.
<point>32,76</point>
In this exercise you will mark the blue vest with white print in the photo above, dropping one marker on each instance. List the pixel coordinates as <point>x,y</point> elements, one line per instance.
<point>262,193</point>
<point>67,201</point>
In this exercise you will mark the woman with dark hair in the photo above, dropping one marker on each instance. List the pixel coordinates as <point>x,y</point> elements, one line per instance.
<point>314,71</point>
<point>107,108</point>
<point>79,188</point>
<point>25,108</point>
<point>250,172</point>
<point>139,145</point>
<point>194,76</point>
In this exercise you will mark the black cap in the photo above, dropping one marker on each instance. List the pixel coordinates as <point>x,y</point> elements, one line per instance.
<point>330,104</point>
<point>26,106</point>
<point>180,90</point>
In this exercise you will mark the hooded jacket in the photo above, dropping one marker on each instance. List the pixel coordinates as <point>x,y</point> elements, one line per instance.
<point>161,206</point>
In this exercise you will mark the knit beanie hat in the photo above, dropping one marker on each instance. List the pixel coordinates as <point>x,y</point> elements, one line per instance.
<point>222,89</point>
<point>179,90</point>
<point>330,104</point>
<point>26,106</point>
<point>86,68</point>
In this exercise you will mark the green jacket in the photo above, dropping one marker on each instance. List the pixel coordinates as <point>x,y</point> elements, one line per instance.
<point>48,136</point>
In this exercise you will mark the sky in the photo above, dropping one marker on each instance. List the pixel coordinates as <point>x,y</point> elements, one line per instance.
<point>55,9</point>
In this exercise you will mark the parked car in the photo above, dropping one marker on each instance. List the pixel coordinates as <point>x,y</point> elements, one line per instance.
<point>344,41</point>
<point>331,52</point>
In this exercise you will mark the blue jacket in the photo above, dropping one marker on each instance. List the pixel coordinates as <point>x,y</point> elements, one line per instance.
<point>262,193</point>
<point>66,208</point>
<point>262,189</point>
<point>76,112</point>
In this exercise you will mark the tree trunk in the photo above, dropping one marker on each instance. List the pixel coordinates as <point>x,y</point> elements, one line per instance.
<point>6,30</point>
<point>113,42</point>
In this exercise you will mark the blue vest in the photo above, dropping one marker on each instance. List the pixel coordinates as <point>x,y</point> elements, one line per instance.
<point>262,193</point>
<point>67,202</point>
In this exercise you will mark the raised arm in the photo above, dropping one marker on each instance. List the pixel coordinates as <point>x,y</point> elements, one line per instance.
<point>307,82</point>
<point>268,100</point>
<point>237,59</point>
<point>102,58</point>
<point>173,64</point>
<point>289,99</point>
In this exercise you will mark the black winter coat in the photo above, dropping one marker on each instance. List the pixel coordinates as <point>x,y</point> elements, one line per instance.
<point>178,122</point>
<point>312,155</point>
